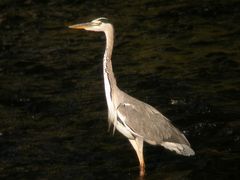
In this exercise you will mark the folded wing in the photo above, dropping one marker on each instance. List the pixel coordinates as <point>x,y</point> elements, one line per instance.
<point>145,121</point>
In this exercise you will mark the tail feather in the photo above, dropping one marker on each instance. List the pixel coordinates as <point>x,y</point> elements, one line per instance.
<point>181,149</point>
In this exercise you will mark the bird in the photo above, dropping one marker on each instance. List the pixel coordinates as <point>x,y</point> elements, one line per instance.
<point>138,121</point>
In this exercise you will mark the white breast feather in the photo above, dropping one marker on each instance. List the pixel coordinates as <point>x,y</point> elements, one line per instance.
<point>111,109</point>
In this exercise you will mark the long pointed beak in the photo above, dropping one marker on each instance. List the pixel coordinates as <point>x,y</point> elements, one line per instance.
<point>80,26</point>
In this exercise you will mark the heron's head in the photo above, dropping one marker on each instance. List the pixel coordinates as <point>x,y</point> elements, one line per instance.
<point>99,24</point>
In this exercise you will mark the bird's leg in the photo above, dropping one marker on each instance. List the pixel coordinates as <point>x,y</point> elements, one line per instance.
<point>137,144</point>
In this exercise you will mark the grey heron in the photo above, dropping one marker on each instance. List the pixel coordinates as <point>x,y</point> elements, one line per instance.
<point>136,120</point>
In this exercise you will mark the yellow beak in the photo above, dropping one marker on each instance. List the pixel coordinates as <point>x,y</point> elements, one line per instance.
<point>80,26</point>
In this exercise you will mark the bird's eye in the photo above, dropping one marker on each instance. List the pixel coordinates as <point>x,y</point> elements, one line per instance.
<point>96,23</point>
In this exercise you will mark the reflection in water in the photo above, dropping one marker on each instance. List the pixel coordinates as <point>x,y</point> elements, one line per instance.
<point>180,56</point>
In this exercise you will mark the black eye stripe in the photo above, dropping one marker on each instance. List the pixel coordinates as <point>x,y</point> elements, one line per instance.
<point>99,21</point>
<point>104,20</point>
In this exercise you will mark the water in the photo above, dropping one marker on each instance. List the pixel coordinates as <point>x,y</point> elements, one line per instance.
<point>181,57</point>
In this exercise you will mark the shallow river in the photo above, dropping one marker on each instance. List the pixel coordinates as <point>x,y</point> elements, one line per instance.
<point>182,57</point>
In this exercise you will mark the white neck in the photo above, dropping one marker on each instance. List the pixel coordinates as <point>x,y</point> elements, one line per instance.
<point>109,79</point>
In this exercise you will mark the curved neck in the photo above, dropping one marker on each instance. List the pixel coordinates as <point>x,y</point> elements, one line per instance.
<point>107,63</point>
<point>109,79</point>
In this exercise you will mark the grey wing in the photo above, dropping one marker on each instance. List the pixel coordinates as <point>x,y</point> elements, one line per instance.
<point>145,121</point>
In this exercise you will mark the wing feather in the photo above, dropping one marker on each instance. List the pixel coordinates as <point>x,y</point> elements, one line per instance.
<point>142,120</point>
<point>147,122</point>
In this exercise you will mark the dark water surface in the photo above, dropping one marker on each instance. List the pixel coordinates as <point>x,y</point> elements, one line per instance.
<point>180,56</point>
